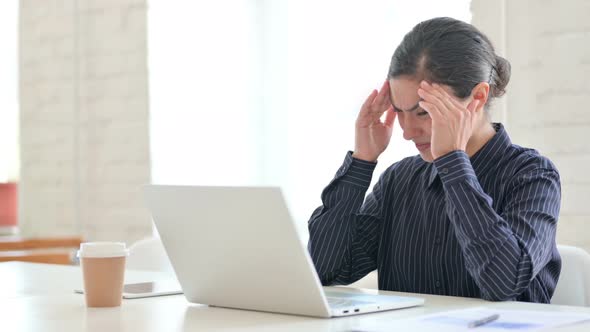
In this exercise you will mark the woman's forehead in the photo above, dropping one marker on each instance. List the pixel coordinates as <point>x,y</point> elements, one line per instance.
<point>404,93</point>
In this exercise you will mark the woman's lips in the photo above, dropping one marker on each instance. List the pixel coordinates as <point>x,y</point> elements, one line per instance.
<point>422,146</point>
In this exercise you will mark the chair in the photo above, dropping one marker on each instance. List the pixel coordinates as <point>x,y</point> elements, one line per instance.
<point>573,287</point>
<point>149,254</point>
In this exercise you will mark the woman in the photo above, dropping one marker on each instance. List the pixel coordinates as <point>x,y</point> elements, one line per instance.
<point>473,215</point>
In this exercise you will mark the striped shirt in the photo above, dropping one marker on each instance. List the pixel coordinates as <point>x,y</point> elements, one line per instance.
<point>475,227</point>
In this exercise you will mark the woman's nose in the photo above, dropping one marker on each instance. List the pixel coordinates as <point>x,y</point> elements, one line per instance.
<point>410,127</point>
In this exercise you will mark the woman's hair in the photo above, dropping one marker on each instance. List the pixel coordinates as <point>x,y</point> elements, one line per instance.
<point>447,51</point>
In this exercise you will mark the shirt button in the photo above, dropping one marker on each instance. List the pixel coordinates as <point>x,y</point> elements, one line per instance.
<point>437,284</point>
<point>444,171</point>
<point>437,240</point>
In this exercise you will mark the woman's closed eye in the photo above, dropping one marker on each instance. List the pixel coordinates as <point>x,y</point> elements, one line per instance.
<point>421,112</point>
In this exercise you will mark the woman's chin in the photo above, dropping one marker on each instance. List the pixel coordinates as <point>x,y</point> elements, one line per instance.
<point>426,156</point>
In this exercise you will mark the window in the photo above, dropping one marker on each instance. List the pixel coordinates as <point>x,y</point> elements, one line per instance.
<point>266,92</point>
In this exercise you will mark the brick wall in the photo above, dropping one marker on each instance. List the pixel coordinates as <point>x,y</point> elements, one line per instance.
<point>84,118</point>
<point>548,45</point>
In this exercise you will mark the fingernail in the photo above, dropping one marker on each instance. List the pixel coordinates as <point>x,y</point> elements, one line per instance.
<point>420,92</point>
<point>424,83</point>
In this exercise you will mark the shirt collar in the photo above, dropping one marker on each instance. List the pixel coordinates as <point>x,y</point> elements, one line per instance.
<point>483,160</point>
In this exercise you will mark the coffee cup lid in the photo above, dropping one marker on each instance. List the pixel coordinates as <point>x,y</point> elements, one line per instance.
<point>102,249</point>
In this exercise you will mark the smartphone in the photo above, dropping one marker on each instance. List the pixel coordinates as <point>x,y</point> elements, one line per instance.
<point>148,289</point>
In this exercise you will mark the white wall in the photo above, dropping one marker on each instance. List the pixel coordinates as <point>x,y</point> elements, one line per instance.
<point>8,91</point>
<point>548,45</point>
<point>84,118</point>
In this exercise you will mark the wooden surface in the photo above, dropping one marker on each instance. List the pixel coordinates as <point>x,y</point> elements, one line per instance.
<point>21,243</point>
<point>38,256</point>
<point>50,250</point>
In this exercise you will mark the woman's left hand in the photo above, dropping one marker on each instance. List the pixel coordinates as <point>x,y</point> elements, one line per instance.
<point>452,123</point>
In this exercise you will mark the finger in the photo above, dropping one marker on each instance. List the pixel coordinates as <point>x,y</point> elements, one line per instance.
<point>431,98</point>
<point>450,101</point>
<point>386,102</point>
<point>457,103</point>
<point>432,110</point>
<point>438,92</point>
<point>366,108</point>
<point>471,107</point>
<point>390,117</point>
<point>430,89</point>
<point>382,99</point>
<point>452,105</point>
<point>376,116</point>
<point>426,85</point>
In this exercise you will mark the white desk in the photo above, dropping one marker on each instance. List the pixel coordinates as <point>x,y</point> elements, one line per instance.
<point>39,297</point>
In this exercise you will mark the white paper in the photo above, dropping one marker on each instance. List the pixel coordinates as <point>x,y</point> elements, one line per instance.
<point>458,320</point>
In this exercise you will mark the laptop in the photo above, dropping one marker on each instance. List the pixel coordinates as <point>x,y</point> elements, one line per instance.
<point>238,247</point>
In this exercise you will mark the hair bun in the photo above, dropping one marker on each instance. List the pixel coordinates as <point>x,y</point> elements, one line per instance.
<point>501,78</point>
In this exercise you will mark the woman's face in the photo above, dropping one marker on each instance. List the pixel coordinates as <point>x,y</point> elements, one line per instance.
<point>414,121</point>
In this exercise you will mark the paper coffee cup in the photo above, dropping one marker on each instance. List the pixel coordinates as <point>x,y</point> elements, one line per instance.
<point>103,270</point>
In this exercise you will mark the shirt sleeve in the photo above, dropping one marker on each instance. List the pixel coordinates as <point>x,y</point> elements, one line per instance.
<point>503,251</point>
<point>343,231</point>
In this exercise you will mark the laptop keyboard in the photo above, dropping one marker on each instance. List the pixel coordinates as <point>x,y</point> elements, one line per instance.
<point>337,302</point>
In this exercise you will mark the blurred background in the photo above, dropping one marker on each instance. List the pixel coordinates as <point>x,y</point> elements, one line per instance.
<point>99,97</point>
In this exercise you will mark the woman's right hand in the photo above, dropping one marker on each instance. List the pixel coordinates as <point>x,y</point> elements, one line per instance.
<point>372,135</point>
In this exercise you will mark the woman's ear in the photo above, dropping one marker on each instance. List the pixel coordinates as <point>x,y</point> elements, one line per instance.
<point>480,93</point>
